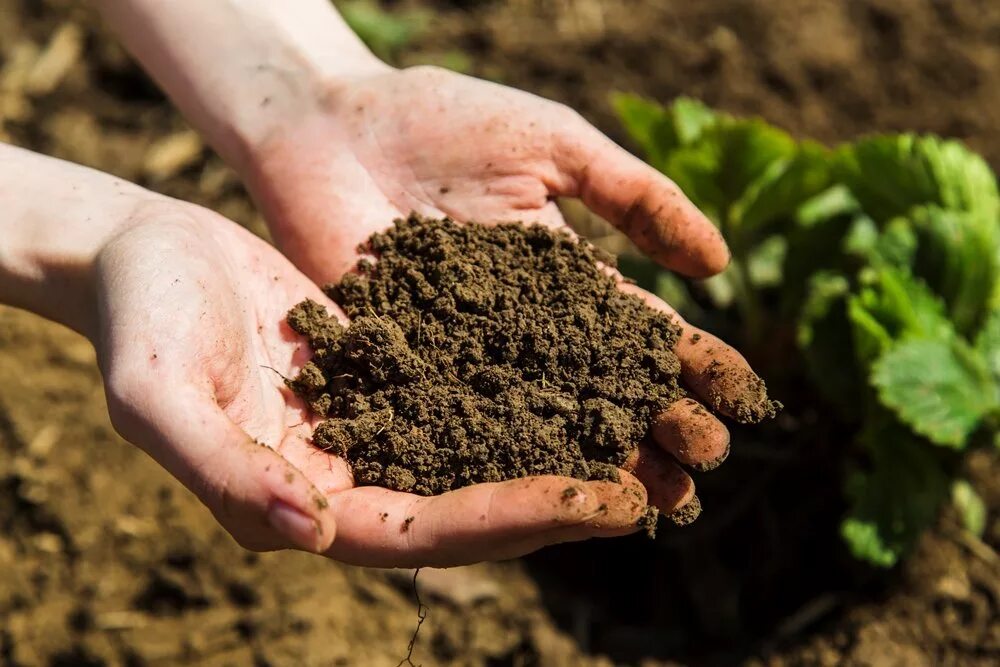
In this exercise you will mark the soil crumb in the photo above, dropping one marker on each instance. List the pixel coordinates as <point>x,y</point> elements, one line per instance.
<point>648,520</point>
<point>483,353</point>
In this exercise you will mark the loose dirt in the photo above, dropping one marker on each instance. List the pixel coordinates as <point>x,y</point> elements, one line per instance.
<point>483,353</point>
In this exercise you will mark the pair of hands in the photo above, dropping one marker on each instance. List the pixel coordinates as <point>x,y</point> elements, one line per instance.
<point>191,335</point>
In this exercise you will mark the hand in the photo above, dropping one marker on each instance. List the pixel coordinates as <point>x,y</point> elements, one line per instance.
<point>193,343</point>
<point>334,144</point>
<point>438,143</point>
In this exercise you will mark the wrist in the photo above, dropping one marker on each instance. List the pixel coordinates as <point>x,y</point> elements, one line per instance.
<point>240,70</point>
<point>56,219</point>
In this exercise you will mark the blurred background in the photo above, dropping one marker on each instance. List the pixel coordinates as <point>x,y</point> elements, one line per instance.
<point>106,560</point>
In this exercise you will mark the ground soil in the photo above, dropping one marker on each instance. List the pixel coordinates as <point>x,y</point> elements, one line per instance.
<point>108,561</point>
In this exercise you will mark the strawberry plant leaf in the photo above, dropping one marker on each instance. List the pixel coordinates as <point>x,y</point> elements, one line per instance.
<point>765,261</point>
<point>894,500</point>
<point>940,388</point>
<point>890,175</point>
<point>750,149</point>
<point>783,187</point>
<point>659,130</point>
<point>690,119</point>
<point>903,305</point>
<point>957,254</point>
<point>835,201</point>
<point>869,336</point>
<point>988,343</point>
<point>823,334</point>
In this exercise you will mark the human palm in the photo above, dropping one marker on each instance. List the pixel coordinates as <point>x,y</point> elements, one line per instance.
<point>194,344</point>
<point>441,144</point>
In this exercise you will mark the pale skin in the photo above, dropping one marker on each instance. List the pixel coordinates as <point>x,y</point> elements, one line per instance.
<point>186,309</point>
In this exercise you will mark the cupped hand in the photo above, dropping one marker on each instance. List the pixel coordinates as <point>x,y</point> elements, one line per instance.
<point>442,144</point>
<point>193,344</point>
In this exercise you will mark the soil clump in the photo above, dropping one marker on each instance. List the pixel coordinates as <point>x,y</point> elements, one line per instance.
<point>484,353</point>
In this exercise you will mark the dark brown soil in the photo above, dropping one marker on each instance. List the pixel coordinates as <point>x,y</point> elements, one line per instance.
<point>480,354</point>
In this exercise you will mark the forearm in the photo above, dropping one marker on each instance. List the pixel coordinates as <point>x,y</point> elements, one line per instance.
<point>239,69</point>
<point>54,219</point>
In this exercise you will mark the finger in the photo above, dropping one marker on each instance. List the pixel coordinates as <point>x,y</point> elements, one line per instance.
<point>692,435</point>
<point>637,199</point>
<point>384,528</point>
<point>261,499</point>
<point>716,372</point>
<point>669,488</point>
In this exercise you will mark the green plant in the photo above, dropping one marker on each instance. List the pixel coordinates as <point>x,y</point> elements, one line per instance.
<point>884,256</point>
<point>385,33</point>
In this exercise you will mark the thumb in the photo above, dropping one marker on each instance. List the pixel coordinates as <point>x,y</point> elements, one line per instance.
<point>638,200</point>
<point>260,498</point>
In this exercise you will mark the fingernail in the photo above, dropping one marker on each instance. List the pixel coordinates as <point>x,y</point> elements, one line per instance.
<point>302,530</point>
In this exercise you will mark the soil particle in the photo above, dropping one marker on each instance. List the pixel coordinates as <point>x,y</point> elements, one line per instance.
<point>647,520</point>
<point>479,354</point>
<point>682,516</point>
<point>708,466</point>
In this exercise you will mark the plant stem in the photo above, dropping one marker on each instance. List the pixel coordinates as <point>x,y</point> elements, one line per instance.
<point>747,299</point>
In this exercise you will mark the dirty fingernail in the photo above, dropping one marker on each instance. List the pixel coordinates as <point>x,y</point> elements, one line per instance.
<point>300,529</point>
<point>707,466</point>
<point>687,513</point>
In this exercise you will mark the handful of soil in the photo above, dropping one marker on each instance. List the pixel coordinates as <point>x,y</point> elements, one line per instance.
<point>480,354</point>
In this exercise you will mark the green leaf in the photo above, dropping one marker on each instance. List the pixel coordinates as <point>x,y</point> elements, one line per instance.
<point>895,245</point>
<point>695,169</point>
<point>717,159</point>
<point>896,498</point>
<point>644,121</point>
<point>970,506</point>
<point>717,169</point>
<point>784,185</point>
<point>765,261</point>
<point>812,249</point>
<point>891,175</point>
<point>690,119</point>
<point>903,305</point>
<point>722,288</point>
<point>659,130</point>
<point>385,33</point>
<point>861,239</point>
<point>957,255</point>
<point>823,334</point>
<point>940,388</point>
<point>869,336</point>
<point>749,149</point>
<point>833,202</point>
<point>825,289</point>
<point>988,343</point>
